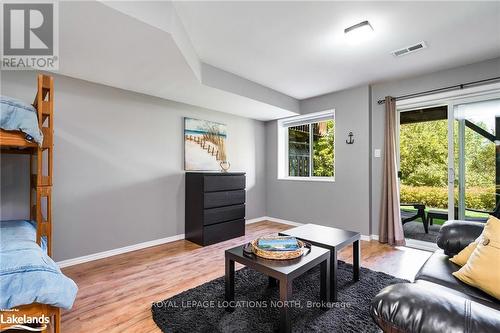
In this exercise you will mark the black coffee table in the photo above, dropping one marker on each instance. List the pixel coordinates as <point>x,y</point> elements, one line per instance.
<point>285,271</point>
<point>334,240</point>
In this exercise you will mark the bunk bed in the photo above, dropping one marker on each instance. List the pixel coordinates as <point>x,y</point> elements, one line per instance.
<point>31,283</point>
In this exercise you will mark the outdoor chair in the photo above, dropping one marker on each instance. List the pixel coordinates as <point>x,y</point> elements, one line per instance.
<point>443,215</point>
<point>407,216</point>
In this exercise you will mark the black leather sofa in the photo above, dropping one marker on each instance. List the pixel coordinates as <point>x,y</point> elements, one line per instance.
<point>437,301</point>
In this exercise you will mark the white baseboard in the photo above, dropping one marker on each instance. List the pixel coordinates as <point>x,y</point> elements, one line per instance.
<point>140,246</point>
<point>130,248</point>
<point>114,252</point>
<point>369,237</point>
<point>257,219</point>
<point>273,219</point>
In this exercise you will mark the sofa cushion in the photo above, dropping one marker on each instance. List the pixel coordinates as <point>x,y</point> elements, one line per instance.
<point>438,269</point>
<point>482,270</point>
<point>454,236</point>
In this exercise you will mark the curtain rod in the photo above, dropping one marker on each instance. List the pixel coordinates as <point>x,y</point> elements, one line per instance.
<point>455,87</point>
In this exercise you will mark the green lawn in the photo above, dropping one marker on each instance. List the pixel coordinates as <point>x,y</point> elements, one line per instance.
<point>440,222</point>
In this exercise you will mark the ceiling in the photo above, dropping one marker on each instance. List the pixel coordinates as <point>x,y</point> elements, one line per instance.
<point>299,49</point>
<point>258,59</point>
<point>141,47</point>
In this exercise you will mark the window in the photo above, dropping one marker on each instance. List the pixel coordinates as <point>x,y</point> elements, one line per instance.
<point>306,147</point>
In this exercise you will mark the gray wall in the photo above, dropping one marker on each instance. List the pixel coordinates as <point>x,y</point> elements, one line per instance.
<point>474,72</point>
<point>118,165</point>
<point>345,202</point>
<point>118,161</point>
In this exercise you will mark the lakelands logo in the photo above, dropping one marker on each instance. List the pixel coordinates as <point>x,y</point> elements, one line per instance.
<point>23,323</point>
<point>30,36</point>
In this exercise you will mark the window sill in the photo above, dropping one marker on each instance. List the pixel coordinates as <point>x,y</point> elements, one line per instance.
<point>309,179</point>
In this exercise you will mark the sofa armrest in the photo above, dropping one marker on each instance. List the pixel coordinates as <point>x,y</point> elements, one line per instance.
<point>410,308</point>
<point>455,235</point>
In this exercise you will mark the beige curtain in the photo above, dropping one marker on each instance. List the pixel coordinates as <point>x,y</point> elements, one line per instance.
<point>391,228</point>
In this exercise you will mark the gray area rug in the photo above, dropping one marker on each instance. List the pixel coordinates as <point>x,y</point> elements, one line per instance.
<point>415,230</point>
<point>201,309</point>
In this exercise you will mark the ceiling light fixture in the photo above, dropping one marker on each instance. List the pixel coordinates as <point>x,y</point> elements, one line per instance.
<point>358,32</point>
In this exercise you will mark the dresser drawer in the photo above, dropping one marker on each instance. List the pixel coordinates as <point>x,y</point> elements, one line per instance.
<point>226,198</point>
<point>223,231</point>
<point>223,183</point>
<point>221,214</point>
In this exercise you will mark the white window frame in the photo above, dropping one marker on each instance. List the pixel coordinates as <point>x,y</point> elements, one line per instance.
<point>282,132</point>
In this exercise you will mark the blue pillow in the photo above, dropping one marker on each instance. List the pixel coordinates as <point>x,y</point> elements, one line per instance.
<point>15,115</point>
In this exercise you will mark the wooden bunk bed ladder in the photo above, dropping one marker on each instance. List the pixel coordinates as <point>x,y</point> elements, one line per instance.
<point>41,159</point>
<point>41,163</point>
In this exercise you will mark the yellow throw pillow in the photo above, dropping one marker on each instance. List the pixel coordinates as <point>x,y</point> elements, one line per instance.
<point>482,270</point>
<point>461,257</point>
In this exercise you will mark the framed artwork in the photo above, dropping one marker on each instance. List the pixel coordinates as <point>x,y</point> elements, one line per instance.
<point>204,145</point>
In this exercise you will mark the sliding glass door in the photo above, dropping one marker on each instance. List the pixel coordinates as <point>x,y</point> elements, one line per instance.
<point>449,162</point>
<point>476,159</point>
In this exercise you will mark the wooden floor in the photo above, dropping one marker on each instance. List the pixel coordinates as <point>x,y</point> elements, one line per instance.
<point>115,294</point>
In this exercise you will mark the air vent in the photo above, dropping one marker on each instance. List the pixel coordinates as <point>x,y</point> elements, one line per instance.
<point>409,49</point>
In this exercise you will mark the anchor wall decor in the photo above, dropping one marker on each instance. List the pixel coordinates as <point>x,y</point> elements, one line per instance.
<point>350,141</point>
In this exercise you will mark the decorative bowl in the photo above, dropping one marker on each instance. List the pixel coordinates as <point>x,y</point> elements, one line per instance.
<point>280,255</point>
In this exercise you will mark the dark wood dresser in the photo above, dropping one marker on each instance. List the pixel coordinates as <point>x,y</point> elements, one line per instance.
<point>215,206</point>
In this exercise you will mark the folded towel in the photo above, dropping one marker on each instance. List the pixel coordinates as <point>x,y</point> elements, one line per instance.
<point>278,243</point>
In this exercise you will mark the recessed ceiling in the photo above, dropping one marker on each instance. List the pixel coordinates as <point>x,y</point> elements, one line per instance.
<point>299,49</point>
<point>141,47</point>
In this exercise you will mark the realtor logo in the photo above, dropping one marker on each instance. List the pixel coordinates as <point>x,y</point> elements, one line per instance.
<point>13,320</point>
<point>29,36</point>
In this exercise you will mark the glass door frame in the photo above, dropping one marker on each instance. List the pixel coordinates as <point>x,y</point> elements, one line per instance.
<point>450,99</point>
<point>461,153</point>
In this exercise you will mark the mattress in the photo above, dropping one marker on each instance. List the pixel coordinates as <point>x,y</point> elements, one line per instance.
<point>27,274</point>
